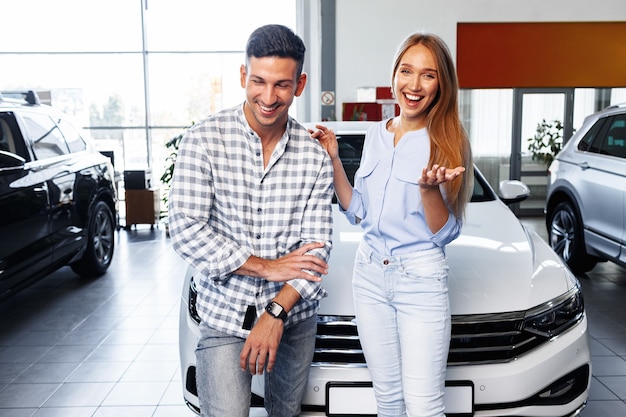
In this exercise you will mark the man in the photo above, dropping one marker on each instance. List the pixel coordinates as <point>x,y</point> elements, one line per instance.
<point>250,208</point>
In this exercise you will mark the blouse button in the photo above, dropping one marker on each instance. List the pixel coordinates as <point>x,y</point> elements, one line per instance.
<point>386,262</point>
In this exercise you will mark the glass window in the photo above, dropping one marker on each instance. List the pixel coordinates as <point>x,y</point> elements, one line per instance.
<point>617,122</point>
<point>592,142</point>
<point>488,118</point>
<point>94,90</point>
<point>200,25</point>
<point>74,140</point>
<point>46,139</point>
<point>350,149</point>
<point>607,137</point>
<point>185,88</point>
<point>10,136</point>
<point>618,95</point>
<point>7,143</point>
<point>90,64</point>
<point>615,140</point>
<point>71,26</point>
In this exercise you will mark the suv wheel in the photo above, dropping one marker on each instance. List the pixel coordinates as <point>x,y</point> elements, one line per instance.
<point>565,234</point>
<point>100,243</point>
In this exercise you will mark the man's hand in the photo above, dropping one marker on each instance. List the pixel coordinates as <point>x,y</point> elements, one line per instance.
<point>297,264</point>
<point>261,345</point>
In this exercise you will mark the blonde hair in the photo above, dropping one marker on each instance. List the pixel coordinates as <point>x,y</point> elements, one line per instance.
<point>449,143</point>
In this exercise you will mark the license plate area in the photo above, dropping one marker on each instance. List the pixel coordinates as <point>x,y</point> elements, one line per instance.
<point>350,399</point>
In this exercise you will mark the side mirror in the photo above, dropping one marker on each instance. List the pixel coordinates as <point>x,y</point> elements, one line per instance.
<point>513,191</point>
<point>10,162</point>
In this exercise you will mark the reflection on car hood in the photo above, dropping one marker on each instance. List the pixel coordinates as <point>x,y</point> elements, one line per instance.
<point>496,265</point>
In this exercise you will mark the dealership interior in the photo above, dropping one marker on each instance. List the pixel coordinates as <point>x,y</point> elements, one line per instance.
<point>108,346</point>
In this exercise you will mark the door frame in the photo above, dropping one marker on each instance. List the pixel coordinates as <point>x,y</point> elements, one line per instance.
<point>515,166</point>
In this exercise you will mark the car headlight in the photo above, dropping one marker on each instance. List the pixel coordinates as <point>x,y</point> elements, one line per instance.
<point>191,302</point>
<point>556,316</point>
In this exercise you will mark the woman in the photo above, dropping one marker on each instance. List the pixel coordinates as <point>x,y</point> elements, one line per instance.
<point>409,197</point>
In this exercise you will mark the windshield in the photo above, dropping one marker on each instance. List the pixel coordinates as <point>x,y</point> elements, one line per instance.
<point>351,147</point>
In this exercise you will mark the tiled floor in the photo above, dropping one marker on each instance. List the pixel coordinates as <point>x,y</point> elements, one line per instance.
<point>108,347</point>
<point>72,347</point>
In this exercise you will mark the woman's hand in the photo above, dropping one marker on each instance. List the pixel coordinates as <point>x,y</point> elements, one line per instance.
<point>438,175</point>
<point>435,209</point>
<point>328,140</point>
<point>343,187</point>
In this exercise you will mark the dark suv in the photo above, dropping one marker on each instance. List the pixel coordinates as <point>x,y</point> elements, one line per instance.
<point>57,195</point>
<point>586,201</point>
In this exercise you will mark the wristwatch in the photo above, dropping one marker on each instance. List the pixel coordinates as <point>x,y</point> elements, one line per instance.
<point>276,310</point>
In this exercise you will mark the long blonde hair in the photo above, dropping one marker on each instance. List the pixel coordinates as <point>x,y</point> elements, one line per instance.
<point>449,143</point>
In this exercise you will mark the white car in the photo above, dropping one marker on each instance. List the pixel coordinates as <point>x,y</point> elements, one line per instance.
<point>520,344</point>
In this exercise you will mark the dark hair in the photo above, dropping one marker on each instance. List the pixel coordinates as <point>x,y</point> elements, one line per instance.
<point>276,40</point>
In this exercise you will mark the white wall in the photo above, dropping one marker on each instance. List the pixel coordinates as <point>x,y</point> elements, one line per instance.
<point>369,31</point>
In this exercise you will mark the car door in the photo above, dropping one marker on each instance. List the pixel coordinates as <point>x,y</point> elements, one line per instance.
<point>603,186</point>
<point>615,146</point>
<point>58,167</point>
<point>25,246</point>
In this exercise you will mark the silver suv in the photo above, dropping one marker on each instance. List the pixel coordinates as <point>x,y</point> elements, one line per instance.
<point>586,199</point>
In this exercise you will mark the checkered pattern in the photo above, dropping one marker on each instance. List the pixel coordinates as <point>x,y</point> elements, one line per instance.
<point>225,207</point>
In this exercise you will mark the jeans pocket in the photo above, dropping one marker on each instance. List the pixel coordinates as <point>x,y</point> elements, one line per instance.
<point>426,269</point>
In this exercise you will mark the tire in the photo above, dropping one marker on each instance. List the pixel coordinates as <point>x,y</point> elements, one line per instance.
<point>565,234</point>
<point>100,243</point>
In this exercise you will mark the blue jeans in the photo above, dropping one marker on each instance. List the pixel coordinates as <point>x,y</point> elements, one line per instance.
<point>403,319</point>
<point>225,390</point>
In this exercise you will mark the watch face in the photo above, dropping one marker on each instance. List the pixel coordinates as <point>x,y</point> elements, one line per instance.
<point>276,310</point>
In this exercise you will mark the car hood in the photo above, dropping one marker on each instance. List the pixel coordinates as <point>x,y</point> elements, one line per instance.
<point>496,265</point>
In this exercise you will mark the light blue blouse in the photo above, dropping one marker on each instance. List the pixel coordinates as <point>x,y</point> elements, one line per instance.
<point>386,200</point>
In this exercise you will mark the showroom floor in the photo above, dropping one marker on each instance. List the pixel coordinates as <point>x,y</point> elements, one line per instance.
<point>108,347</point>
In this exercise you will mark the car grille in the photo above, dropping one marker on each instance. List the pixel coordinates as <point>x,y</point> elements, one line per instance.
<point>490,338</point>
<point>337,342</point>
<point>487,338</point>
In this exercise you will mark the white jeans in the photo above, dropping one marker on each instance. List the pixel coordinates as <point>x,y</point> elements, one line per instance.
<point>403,319</point>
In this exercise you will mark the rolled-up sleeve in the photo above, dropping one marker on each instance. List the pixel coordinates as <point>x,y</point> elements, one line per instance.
<point>448,232</point>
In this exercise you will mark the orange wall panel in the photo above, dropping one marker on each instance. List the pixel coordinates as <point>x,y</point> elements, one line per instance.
<point>541,54</point>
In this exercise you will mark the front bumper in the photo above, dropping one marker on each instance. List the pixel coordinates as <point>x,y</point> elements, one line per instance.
<point>552,380</point>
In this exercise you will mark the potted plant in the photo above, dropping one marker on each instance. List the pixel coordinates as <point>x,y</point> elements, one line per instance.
<point>166,178</point>
<point>547,141</point>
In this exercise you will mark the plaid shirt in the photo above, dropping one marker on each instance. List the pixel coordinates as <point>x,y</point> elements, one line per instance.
<point>225,206</point>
